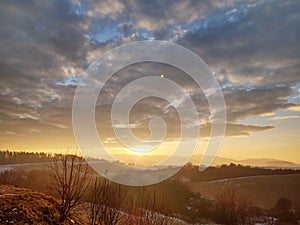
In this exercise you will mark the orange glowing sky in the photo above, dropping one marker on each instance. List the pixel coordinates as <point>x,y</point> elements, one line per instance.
<point>252,49</point>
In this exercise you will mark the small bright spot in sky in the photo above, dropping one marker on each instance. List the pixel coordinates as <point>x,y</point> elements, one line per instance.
<point>174,104</point>
<point>141,149</point>
<point>162,76</point>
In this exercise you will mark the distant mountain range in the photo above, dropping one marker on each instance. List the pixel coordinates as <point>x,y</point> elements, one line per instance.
<point>254,162</point>
<point>258,162</point>
<point>267,162</point>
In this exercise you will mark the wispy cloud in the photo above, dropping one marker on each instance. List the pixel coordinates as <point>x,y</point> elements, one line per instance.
<point>285,117</point>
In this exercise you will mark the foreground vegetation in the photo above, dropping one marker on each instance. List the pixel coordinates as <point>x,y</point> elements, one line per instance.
<point>80,196</point>
<point>23,206</point>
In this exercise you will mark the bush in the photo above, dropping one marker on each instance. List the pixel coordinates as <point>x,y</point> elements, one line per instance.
<point>283,210</point>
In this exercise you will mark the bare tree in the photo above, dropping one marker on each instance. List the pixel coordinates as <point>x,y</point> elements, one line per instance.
<point>69,180</point>
<point>134,214</point>
<point>155,210</point>
<point>94,208</point>
<point>231,209</point>
<point>147,209</point>
<point>105,201</point>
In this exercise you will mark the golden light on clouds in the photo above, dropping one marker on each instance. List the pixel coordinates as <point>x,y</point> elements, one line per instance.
<point>255,63</point>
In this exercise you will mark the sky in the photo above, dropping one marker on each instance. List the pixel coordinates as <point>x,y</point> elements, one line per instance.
<point>252,47</point>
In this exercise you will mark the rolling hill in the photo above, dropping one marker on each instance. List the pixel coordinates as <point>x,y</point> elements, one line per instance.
<point>260,190</point>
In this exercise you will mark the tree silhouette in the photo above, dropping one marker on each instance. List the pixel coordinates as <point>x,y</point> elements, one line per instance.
<point>70,179</point>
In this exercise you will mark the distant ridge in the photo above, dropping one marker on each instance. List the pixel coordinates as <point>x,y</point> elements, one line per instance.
<point>195,159</point>
<point>10,157</point>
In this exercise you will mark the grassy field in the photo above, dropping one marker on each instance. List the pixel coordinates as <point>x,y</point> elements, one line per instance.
<point>261,191</point>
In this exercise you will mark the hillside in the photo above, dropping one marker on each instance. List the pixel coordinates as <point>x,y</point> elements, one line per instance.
<point>263,191</point>
<point>228,171</point>
<point>23,206</point>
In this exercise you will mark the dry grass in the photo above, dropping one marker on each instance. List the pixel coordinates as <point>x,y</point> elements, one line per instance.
<point>23,206</point>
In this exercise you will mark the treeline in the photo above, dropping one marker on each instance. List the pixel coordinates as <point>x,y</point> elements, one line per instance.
<point>12,157</point>
<point>228,171</point>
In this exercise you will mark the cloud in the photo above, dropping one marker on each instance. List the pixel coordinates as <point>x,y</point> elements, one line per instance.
<point>45,47</point>
<point>39,40</point>
<point>293,107</point>
<point>285,117</point>
<point>105,9</point>
<point>244,130</point>
<point>243,103</point>
<point>243,51</point>
<point>157,15</point>
<point>48,31</point>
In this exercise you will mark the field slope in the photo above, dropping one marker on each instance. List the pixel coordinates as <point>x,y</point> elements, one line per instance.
<point>260,190</point>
